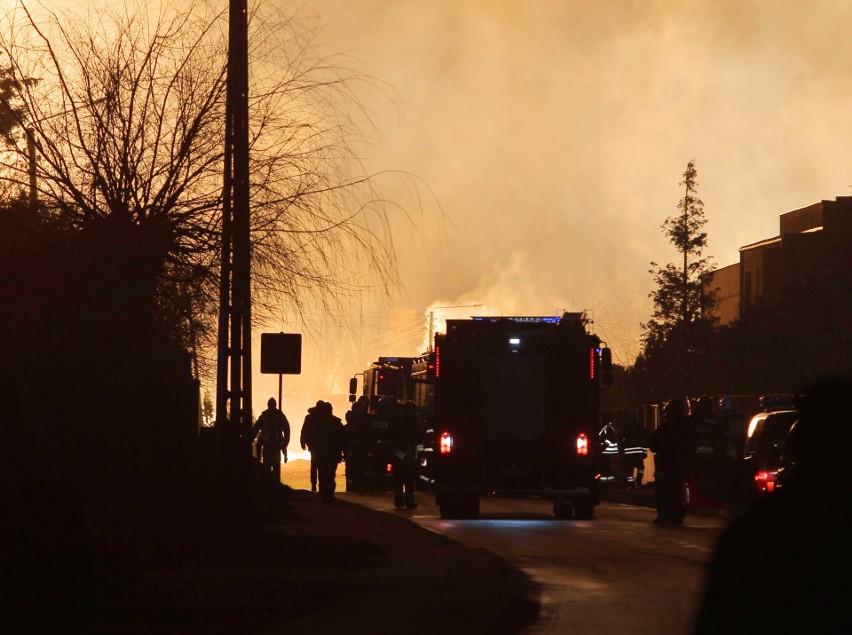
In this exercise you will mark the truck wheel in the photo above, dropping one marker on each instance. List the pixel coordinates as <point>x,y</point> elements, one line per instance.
<point>584,511</point>
<point>450,509</point>
<point>562,510</point>
<point>459,507</point>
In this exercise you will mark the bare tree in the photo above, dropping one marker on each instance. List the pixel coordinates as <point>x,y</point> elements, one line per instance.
<point>128,120</point>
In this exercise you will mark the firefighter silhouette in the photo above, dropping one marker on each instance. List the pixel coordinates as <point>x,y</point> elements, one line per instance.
<point>327,440</point>
<point>274,429</point>
<point>358,446</point>
<point>305,436</point>
<point>404,435</point>
<point>673,444</point>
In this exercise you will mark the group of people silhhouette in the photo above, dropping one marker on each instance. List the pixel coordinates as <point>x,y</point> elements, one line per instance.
<point>388,436</point>
<point>329,442</point>
<point>322,434</point>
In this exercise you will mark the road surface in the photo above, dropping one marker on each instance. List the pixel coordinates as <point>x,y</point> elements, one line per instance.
<point>616,573</point>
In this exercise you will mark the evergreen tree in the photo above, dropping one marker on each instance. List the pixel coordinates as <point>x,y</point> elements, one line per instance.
<point>11,110</point>
<point>677,344</point>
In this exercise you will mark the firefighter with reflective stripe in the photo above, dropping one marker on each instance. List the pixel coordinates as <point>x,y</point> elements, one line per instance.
<point>611,451</point>
<point>634,442</point>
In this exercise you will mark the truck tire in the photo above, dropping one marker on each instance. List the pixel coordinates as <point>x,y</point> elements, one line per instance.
<point>459,506</point>
<point>562,510</point>
<point>584,511</point>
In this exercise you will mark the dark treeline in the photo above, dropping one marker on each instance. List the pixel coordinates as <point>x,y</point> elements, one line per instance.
<point>100,414</point>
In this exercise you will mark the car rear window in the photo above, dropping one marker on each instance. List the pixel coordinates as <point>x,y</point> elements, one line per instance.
<point>771,434</point>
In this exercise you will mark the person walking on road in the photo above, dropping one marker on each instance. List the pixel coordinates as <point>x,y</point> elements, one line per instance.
<point>307,431</point>
<point>673,444</point>
<point>273,427</point>
<point>327,441</point>
<point>405,437</point>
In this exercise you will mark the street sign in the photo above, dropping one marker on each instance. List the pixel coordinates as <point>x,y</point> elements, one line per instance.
<point>281,353</point>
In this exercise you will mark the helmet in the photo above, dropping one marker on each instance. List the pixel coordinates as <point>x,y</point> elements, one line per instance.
<point>673,408</point>
<point>705,404</point>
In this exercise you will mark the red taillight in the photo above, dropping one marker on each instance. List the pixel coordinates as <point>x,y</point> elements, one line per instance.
<point>582,444</point>
<point>446,443</point>
<point>765,480</point>
<point>389,468</point>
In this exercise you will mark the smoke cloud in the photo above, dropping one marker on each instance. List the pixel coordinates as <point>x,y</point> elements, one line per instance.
<point>553,135</point>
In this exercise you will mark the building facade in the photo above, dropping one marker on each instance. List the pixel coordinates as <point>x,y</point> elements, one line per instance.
<point>814,242</point>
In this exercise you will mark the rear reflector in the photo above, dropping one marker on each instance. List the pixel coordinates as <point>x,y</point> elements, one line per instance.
<point>765,480</point>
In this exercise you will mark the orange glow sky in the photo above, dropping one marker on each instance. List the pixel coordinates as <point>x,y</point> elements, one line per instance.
<point>553,134</point>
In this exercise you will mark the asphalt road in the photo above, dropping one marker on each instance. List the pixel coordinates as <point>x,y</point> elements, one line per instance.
<point>615,573</point>
<point>606,575</point>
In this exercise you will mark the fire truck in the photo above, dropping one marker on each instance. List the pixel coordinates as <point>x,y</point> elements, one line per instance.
<point>386,385</point>
<point>516,412</point>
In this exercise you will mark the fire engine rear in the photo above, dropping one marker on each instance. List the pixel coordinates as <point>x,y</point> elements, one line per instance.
<point>387,385</point>
<point>516,412</point>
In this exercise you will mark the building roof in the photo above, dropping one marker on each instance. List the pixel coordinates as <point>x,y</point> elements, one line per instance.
<point>762,243</point>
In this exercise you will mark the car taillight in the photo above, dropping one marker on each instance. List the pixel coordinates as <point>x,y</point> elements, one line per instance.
<point>389,467</point>
<point>582,444</point>
<point>765,480</point>
<point>446,443</point>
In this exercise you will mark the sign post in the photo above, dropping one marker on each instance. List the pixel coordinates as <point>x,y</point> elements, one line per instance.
<point>281,354</point>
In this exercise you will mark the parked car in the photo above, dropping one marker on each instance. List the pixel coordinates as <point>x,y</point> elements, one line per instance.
<point>766,439</point>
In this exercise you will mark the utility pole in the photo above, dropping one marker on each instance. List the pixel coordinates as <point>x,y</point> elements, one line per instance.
<point>233,371</point>
<point>431,325</point>
<point>31,158</point>
<point>30,133</point>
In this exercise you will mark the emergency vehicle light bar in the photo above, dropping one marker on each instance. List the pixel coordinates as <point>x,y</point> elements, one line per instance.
<point>545,319</point>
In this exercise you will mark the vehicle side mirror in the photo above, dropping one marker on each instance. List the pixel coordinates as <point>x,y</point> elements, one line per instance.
<point>353,388</point>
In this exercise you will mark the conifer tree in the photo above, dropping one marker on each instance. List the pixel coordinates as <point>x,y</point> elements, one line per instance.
<point>678,339</point>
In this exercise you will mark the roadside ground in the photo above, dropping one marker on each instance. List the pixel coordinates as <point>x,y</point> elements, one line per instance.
<point>281,561</point>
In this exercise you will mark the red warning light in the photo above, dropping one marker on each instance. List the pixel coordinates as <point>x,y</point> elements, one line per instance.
<point>582,444</point>
<point>592,363</point>
<point>446,443</point>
